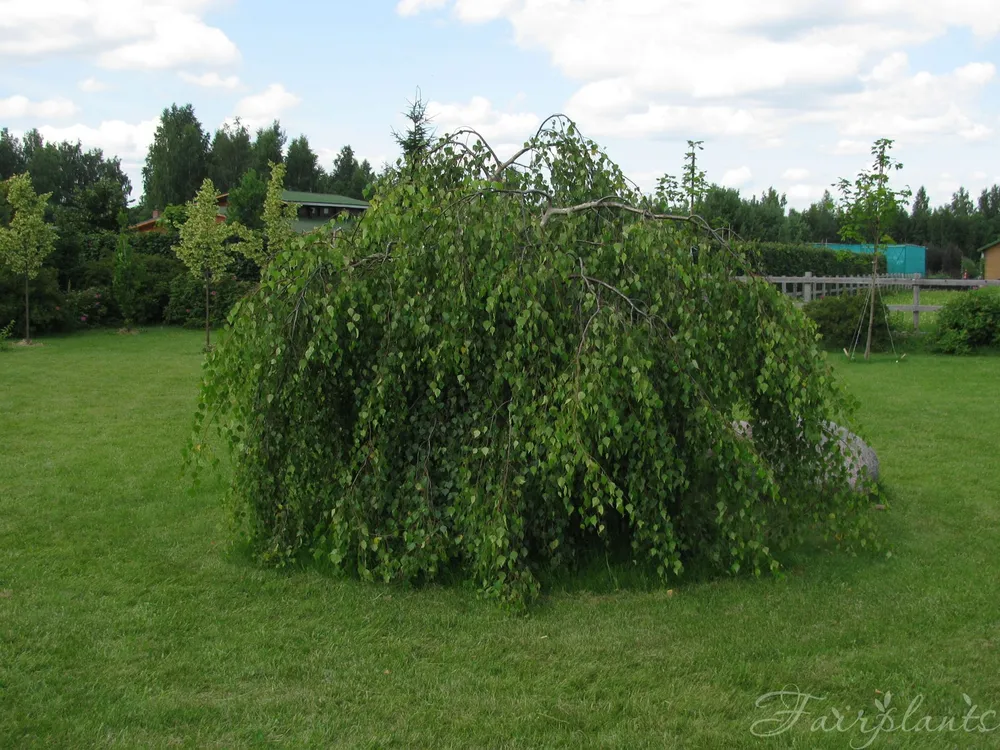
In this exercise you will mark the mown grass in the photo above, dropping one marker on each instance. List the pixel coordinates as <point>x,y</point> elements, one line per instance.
<point>928,320</point>
<point>127,620</point>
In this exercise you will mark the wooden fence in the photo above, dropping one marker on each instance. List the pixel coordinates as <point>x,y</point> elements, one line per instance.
<point>809,287</point>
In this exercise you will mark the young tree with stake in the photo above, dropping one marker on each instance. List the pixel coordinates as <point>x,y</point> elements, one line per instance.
<point>28,240</point>
<point>868,205</point>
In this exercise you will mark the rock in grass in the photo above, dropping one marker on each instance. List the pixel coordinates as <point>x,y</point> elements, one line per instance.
<point>860,458</point>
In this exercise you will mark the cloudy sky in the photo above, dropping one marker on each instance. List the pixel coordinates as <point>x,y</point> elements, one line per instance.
<point>787,93</point>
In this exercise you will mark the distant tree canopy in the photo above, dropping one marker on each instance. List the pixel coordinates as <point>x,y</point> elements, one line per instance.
<point>302,167</point>
<point>349,178</point>
<point>246,200</point>
<point>177,161</point>
<point>231,155</point>
<point>269,148</point>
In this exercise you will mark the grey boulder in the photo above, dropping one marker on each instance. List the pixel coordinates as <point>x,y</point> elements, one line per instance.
<point>859,457</point>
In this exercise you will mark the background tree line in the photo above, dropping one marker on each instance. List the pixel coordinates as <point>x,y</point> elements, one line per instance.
<point>952,232</point>
<point>183,154</point>
<point>89,190</point>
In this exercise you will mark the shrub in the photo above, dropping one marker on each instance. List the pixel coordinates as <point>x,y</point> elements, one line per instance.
<point>470,381</point>
<point>91,308</point>
<point>839,319</point>
<point>157,274</point>
<point>154,243</point>
<point>187,300</point>
<point>972,268</point>
<point>48,313</point>
<point>969,321</point>
<point>5,335</point>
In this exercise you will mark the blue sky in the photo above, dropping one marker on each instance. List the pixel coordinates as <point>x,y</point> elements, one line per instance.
<point>787,93</point>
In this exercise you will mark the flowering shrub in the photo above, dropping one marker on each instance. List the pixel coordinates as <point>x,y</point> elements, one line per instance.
<point>91,308</point>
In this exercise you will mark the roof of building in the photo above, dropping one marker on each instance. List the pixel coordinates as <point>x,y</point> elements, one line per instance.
<point>321,199</point>
<point>988,246</point>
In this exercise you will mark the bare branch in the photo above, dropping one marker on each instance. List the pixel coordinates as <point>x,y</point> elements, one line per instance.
<point>495,177</point>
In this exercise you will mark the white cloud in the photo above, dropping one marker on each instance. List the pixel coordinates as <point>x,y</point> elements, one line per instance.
<point>479,114</point>
<point>260,110</point>
<point>848,147</point>
<point>802,194</point>
<point>754,70</point>
<point>126,140</point>
<point>20,107</point>
<point>212,80</point>
<point>92,85</point>
<point>795,174</point>
<point>412,7</point>
<point>120,34</point>
<point>914,107</point>
<point>737,178</point>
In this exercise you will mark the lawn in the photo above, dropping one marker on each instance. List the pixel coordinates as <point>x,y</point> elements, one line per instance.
<point>127,620</point>
<point>928,320</point>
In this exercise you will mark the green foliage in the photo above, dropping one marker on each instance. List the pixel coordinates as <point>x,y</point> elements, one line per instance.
<point>48,302</point>
<point>417,139</point>
<point>154,243</point>
<point>303,170</point>
<point>278,217</point>
<point>969,321</point>
<point>246,201</point>
<point>493,373</point>
<point>348,177</point>
<point>973,269</point>
<point>268,149</point>
<point>207,245</point>
<point>780,259</point>
<point>26,242</point>
<point>869,205</point>
<point>27,239</point>
<point>158,275</point>
<point>231,155</point>
<point>695,184</point>
<point>11,155</point>
<point>177,161</point>
<point>186,306</point>
<point>126,278</point>
<point>93,307</point>
<point>5,333</point>
<point>841,319</point>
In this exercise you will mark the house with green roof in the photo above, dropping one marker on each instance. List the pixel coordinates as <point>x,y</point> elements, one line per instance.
<point>314,210</point>
<point>317,209</point>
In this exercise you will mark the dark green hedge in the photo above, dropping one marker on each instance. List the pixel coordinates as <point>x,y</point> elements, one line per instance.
<point>777,259</point>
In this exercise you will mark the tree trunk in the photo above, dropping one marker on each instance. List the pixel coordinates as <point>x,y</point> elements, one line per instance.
<point>27,313</point>
<point>871,309</point>
<point>208,335</point>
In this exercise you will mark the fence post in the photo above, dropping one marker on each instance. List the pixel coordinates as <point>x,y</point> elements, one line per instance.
<point>807,288</point>
<point>916,302</point>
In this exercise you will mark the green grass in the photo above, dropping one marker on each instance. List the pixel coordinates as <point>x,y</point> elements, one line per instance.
<point>126,620</point>
<point>928,320</point>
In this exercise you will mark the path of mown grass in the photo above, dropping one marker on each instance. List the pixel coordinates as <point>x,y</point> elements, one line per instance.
<point>124,622</point>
